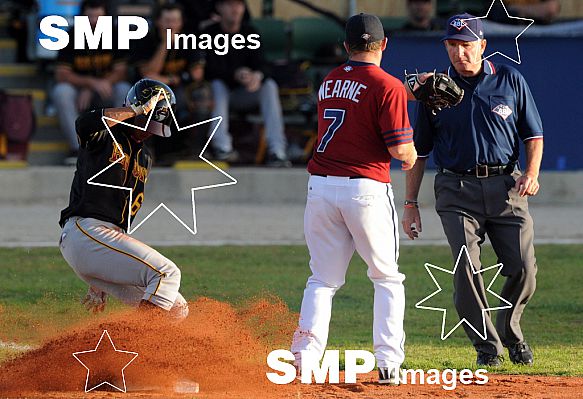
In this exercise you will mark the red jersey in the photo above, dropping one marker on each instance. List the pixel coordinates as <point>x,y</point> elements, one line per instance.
<point>362,110</point>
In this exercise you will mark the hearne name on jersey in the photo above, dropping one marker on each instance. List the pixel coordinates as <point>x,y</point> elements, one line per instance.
<point>341,88</point>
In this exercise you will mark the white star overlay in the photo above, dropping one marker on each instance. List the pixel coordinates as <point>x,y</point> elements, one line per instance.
<point>132,229</point>
<point>429,266</point>
<point>124,389</point>
<point>531,21</point>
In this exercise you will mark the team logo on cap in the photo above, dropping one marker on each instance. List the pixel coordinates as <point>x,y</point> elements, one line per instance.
<point>365,36</point>
<point>503,110</point>
<point>458,23</point>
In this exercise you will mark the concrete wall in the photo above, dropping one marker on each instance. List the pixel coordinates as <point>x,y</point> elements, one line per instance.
<point>255,186</point>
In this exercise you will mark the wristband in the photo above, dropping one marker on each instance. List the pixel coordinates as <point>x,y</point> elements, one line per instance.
<point>409,204</point>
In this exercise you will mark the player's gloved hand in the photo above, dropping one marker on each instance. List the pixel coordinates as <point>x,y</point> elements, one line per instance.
<point>437,91</point>
<point>411,222</point>
<point>95,300</point>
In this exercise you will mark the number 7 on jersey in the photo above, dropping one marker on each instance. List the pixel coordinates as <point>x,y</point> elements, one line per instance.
<point>337,116</point>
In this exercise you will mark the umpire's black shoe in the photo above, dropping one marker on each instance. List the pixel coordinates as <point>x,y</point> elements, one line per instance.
<point>521,354</point>
<point>488,359</point>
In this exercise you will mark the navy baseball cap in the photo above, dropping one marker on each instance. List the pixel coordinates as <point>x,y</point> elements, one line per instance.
<point>464,27</point>
<point>364,29</point>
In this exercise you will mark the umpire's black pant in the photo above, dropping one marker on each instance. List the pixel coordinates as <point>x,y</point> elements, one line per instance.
<point>470,208</point>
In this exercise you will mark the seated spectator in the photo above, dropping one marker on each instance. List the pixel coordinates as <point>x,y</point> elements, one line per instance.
<point>200,14</point>
<point>175,67</point>
<point>419,14</point>
<point>181,69</point>
<point>238,82</point>
<point>87,79</point>
<point>542,11</point>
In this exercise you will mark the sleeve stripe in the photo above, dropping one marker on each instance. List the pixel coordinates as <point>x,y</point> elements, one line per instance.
<point>399,136</point>
<point>422,156</point>
<point>398,130</point>
<point>403,141</point>
<point>532,138</point>
<point>409,130</point>
<point>395,135</point>
<point>399,140</point>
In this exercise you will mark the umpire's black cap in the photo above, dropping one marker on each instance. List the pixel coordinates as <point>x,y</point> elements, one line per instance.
<point>364,29</point>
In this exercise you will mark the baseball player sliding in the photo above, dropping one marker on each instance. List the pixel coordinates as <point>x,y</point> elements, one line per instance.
<point>93,239</point>
<point>362,125</point>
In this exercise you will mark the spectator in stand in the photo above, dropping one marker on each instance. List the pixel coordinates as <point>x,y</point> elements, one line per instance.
<point>238,81</point>
<point>200,14</point>
<point>420,17</point>
<point>181,69</point>
<point>87,78</point>
<point>542,11</point>
<point>18,26</point>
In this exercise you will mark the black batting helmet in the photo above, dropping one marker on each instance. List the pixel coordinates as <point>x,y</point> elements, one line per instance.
<point>141,93</point>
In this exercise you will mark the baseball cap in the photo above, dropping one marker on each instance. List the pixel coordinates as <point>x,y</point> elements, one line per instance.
<point>463,27</point>
<point>364,29</point>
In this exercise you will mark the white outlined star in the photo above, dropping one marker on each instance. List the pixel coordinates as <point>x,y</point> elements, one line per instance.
<point>193,230</point>
<point>75,355</point>
<point>483,335</point>
<point>519,61</point>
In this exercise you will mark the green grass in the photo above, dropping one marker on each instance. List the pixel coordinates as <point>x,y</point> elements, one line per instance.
<point>39,296</point>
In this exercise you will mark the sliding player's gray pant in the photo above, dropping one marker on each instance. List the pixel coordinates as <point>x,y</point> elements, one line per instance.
<point>103,256</point>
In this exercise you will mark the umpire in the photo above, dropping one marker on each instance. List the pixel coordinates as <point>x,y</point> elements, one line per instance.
<point>479,188</point>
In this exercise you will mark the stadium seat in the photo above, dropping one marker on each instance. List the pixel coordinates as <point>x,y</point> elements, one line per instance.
<point>274,39</point>
<point>309,35</point>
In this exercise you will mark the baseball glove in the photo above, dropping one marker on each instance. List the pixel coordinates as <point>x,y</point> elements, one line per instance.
<point>437,92</point>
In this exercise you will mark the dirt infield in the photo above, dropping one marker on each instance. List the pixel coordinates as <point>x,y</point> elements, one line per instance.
<point>224,351</point>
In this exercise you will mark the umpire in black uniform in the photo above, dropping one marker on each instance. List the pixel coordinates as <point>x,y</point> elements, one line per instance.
<point>479,188</point>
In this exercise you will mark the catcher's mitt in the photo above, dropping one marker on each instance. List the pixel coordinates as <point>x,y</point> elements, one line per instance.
<point>437,92</point>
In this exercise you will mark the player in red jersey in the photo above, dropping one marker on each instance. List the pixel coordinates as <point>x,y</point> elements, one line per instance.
<point>362,125</point>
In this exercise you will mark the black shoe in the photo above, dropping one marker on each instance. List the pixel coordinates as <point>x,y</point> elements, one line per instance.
<point>521,354</point>
<point>277,161</point>
<point>389,376</point>
<point>488,359</point>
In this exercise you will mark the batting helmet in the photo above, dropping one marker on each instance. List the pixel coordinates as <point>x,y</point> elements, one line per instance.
<point>140,93</point>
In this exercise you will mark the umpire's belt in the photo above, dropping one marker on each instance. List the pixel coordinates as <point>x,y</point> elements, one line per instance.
<point>481,171</point>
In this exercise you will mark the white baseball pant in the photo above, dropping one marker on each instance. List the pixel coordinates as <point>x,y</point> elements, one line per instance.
<point>342,215</point>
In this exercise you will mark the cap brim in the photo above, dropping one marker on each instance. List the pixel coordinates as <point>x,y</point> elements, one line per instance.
<point>461,37</point>
<point>155,128</point>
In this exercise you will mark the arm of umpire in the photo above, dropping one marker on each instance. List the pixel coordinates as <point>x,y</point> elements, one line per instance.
<point>411,220</point>
<point>527,184</point>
